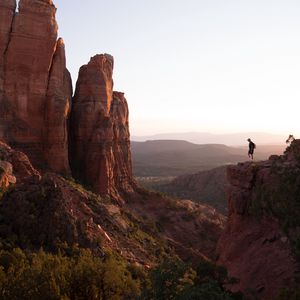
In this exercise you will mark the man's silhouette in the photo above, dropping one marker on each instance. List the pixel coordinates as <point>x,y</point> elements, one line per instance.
<point>252,146</point>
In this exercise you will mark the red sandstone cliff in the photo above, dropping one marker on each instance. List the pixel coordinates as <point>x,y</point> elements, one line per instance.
<point>34,84</point>
<point>258,244</point>
<point>100,145</point>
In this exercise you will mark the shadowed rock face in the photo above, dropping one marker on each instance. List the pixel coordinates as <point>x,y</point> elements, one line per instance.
<point>16,164</point>
<point>35,86</point>
<point>58,103</point>
<point>263,225</point>
<point>100,146</point>
<point>7,11</point>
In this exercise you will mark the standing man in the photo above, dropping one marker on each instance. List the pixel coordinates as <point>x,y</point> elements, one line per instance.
<point>252,146</point>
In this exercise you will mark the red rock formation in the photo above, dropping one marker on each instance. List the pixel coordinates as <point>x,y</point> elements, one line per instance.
<point>256,246</point>
<point>6,175</point>
<point>100,146</point>
<point>123,178</point>
<point>22,169</point>
<point>31,68</point>
<point>58,103</point>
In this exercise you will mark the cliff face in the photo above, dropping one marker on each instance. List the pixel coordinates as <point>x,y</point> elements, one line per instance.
<point>100,146</point>
<point>7,11</point>
<point>35,86</point>
<point>258,245</point>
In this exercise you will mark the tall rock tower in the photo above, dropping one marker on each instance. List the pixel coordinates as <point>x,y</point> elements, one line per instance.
<point>100,146</point>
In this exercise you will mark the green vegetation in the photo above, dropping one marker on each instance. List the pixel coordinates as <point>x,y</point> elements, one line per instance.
<point>175,280</point>
<point>26,275</point>
<point>74,273</point>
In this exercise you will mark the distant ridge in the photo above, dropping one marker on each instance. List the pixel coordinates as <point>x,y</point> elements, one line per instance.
<point>177,157</point>
<point>232,139</point>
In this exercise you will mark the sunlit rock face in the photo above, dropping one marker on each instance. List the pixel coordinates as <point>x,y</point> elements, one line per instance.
<point>35,88</point>
<point>100,146</point>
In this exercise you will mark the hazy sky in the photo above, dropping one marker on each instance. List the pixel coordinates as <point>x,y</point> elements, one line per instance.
<point>194,65</point>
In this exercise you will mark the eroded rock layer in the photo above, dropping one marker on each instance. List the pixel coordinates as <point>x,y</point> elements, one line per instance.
<point>35,86</point>
<point>100,146</point>
<point>258,246</point>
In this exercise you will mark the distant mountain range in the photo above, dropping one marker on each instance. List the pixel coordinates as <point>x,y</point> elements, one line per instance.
<point>175,157</point>
<point>234,139</point>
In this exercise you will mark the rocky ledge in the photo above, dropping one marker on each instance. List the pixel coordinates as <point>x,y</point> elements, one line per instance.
<point>259,244</point>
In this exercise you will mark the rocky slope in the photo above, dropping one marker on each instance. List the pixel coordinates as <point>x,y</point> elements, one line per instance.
<point>260,243</point>
<point>48,210</point>
<point>100,145</point>
<point>35,86</point>
<point>191,229</point>
<point>205,187</point>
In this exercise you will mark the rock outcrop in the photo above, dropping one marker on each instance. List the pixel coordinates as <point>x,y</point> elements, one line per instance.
<point>258,246</point>
<point>100,147</point>
<point>16,164</point>
<point>6,175</point>
<point>35,86</point>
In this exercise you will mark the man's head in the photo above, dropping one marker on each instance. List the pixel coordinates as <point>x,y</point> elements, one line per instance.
<point>249,140</point>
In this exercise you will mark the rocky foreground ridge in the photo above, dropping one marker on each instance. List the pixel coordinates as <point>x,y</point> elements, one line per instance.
<point>260,244</point>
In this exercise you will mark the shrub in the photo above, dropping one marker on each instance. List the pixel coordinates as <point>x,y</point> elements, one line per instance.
<point>41,275</point>
<point>176,280</point>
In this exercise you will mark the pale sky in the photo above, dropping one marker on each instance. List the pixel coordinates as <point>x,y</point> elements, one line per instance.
<point>219,66</point>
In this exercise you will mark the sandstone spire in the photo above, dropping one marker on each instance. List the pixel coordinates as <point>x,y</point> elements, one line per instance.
<point>100,146</point>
